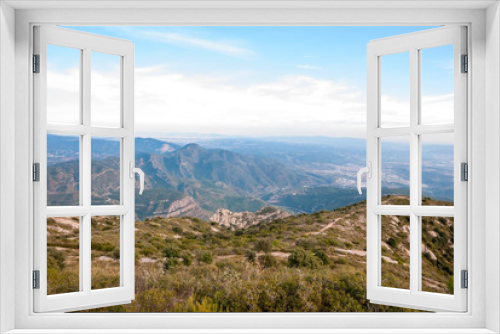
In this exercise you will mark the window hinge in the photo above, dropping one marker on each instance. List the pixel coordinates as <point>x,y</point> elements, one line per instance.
<point>464,171</point>
<point>36,279</point>
<point>36,172</point>
<point>36,63</point>
<point>465,64</point>
<point>464,279</point>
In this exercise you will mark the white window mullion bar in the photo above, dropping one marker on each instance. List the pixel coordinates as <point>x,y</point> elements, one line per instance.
<point>414,169</point>
<point>64,129</point>
<point>396,210</point>
<point>109,210</point>
<point>109,132</point>
<point>85,178</point>
<point>406,210</point>
<point>433,129</point>
<point>391,132</point>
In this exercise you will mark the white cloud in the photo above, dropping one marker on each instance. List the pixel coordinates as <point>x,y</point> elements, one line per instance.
<point>224,47</point>
<point>290,106</point>
<point>308,67</point>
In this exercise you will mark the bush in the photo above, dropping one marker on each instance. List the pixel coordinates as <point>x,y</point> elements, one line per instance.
<point>177,229</point>
<point>103,247</point>
<point>206,257</point>
<point>300,258</point>
<point>187,258</point>
<point>55,258</point>
<point>321,255</point>
<point>393,242</point>
<point>170,262</point>
<point>263,245</point>
<point>268,261</point>
<point>250,255</point>
<point>172,251</point>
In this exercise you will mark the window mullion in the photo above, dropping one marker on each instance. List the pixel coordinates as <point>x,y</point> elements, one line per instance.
<point>85,165</point>
<point>414,170</point>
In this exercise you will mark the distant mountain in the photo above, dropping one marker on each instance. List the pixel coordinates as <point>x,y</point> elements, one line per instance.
<point>241,174</point>
<point>64,148</point>
<point>244,174</point>
<point>150,145</point>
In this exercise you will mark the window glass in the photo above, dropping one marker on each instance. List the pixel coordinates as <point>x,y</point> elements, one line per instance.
<point>437,254</point>
<point>437,169</point>
<point>106,175</point>
<point>395,250</point>
<point>105,245</point>
<point>63,170</point>
<point>63,255</point>
<point>105,90</point>
<point>63,85</point>
<point>437,85</point>
<point>395,90</point>
<point>395,168</point>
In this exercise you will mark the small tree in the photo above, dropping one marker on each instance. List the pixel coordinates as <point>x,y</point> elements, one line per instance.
<point>250,255</point>
<point>300,258</point>
<point>263,245</point>
<point>206,257</point>
<point>187,258</point>
<point>171,250</point>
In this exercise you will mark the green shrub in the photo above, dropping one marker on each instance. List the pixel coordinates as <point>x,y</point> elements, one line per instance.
<point>393,242</point>
<point>206,257</point>
<point>250,255</point>
<point>170,262</point>
<point>187,258</point>
<point>300,258</point>
<point>171,251</point>
<point>263,245</point>
<point>268,261</point>
<point>321,255</point>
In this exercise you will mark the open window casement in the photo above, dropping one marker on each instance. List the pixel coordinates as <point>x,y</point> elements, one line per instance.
<point>385,125</point>
<point>94,109</point>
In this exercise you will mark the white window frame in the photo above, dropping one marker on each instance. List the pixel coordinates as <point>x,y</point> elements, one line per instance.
<point>86,43</point>
<point>483,211</point>
<point>413,43</point>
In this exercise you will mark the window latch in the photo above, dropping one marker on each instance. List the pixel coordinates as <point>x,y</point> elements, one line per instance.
<point>368,171</point>
<point>139,171</point>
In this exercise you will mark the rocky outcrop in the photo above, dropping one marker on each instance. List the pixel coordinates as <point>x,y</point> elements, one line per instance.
<point>238,220</point>
<point>186,206</point>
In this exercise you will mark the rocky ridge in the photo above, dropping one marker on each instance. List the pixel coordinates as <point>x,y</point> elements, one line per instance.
<point>240,220</point>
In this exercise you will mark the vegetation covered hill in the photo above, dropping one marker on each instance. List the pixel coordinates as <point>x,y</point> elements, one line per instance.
<point>307,263</point>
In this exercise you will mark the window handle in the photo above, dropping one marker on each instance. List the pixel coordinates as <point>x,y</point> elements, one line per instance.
<point>139,171</point>
<point>368,171</point>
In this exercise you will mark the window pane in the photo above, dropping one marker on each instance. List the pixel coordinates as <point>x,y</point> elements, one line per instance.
<point>63,254</point>
<point>395,270</point>
<point>395,90</point>
<point>63,85</point>
<point>437,254</point>
<point>437,85</point>
<point>105,254</point>
<point>63,170</point>
<point>437,169</point>
<point>395,167</point>
<point>105,90</point>
<point>105,171</point>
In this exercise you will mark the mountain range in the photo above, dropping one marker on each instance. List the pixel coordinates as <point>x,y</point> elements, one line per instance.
<point>198,179</point>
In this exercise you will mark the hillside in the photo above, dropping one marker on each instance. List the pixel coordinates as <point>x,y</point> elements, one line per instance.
<point>310,262</point>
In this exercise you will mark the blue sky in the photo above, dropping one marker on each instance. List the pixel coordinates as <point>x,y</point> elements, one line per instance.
<point>270,64</point>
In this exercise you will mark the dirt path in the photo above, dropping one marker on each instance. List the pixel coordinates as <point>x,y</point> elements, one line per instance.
<point>329,226</point>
